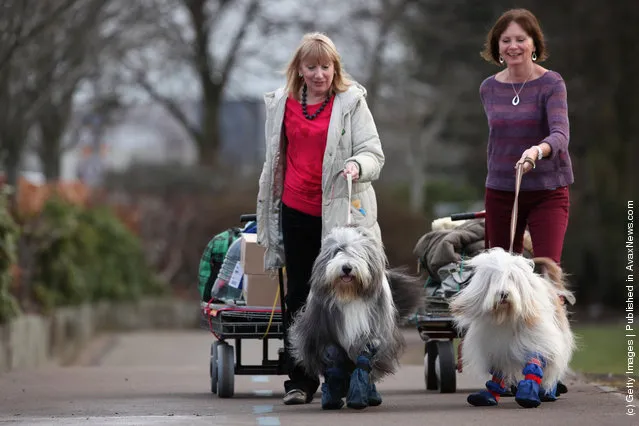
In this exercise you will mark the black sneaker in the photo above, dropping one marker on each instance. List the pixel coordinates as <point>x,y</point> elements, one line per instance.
<point>295,397</point>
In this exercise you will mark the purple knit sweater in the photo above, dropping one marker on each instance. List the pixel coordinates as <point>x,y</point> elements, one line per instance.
<point>541,116</point>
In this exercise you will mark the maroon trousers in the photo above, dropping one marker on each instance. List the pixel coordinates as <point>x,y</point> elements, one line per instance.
<point>544,212</point>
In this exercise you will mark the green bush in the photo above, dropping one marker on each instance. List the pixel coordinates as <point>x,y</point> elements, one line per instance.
<point>8,254</point>
<point>86,255</point>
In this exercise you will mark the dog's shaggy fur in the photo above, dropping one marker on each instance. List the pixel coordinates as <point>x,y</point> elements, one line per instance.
<point>508,312</point>
<point>355,303</point>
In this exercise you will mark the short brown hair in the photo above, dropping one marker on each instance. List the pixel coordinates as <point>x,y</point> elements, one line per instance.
<point>316,46</point>
<point>528,23</point>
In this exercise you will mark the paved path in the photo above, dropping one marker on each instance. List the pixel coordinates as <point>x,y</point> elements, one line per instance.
<point>161,378</point>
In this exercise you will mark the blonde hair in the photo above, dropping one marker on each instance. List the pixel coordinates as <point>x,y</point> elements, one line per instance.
<point>316,47</point>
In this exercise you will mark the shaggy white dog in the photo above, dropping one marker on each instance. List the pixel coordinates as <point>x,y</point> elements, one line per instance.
<point>515,326</point>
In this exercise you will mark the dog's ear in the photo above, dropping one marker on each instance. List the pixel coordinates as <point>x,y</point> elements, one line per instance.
<point>529,312</point>
<point>530,320</point>
<point>363,231</point>
<point>369,235</point>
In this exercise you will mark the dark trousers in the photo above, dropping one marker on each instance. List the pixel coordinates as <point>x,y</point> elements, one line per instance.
<point>302,234</point>
<point>544,212</point>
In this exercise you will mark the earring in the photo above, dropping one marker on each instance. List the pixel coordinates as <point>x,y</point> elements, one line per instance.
<point>534,56</point>
<point>501,60</point>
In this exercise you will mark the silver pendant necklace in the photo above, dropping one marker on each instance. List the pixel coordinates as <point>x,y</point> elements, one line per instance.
<point>515,100</point>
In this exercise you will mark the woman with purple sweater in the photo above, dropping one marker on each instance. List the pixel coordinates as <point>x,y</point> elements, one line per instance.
<point>527,111</point>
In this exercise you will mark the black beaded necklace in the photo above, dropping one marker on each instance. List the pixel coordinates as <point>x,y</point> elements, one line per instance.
<point>320,109</point>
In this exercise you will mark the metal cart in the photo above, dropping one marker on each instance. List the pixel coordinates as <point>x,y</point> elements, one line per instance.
<point>236,321</point>
<point>436,328</point>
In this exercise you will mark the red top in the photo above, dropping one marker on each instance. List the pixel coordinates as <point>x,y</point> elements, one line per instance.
<point>304,156</point>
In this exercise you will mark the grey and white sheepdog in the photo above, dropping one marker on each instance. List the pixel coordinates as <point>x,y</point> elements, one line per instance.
<point>355,303</point>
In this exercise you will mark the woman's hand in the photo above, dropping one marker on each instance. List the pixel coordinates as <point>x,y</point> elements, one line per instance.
<point>351,168</point>
<point>528,159</point>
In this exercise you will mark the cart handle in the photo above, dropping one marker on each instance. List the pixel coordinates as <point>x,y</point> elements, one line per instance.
<point>469,215</point>
<point>248,218</point>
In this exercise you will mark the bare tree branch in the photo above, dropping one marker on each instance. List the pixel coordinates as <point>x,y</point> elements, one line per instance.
<point>392,11</point>
<point>231,58</point>
<point>170,105</point>
<point>21,39</point>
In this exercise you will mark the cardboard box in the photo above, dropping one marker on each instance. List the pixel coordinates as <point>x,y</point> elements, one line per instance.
<point>252,256</point>
<point>261,289</point>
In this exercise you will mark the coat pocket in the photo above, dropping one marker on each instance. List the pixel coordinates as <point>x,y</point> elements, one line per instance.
<point>361,212</point>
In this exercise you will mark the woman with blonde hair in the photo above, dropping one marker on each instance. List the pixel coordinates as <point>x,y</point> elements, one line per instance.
<point>318,129</point>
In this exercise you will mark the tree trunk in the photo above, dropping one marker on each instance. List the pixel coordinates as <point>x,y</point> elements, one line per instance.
<point>12,168</point>
<point>209,140</point>
<point>388,20</point>
<point>50,153</point>
<point>51,164</point>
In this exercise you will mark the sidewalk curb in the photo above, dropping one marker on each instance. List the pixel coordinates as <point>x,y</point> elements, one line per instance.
<point>30,341</point>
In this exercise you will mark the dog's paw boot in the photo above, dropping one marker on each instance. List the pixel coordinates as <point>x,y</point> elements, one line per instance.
<point>357,396</point>
<point>330,401</point>
<point>548,395</point>
<point>510,391</point>
<point>528,394</point>
<point>561,388</point>
<point>374,398</point>
<point>334,388</point>
<point>482,398</point>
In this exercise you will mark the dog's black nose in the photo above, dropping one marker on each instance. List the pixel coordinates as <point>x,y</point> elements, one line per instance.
<point>503,295</point>
<point>347,269</point>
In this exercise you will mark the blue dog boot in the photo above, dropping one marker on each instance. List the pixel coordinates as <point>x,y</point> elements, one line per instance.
<point>357,396</point>
<point>374,398</point>
<point>489,397</point>
<point>335,380</point>
<point>528,389</point>
<point>330,401</point>
<point>334,388</point>
<point>483,398</point>
<point>528,394</point>
<point>548,395</point>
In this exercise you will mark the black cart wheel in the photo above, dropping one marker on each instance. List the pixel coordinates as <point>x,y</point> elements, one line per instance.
<point>430,373</point>
<point>213,366</point>
<point>447,369</point>
<point>225,371</point>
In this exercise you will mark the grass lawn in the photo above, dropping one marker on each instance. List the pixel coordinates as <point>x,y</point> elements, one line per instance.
<point>601,349</point>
